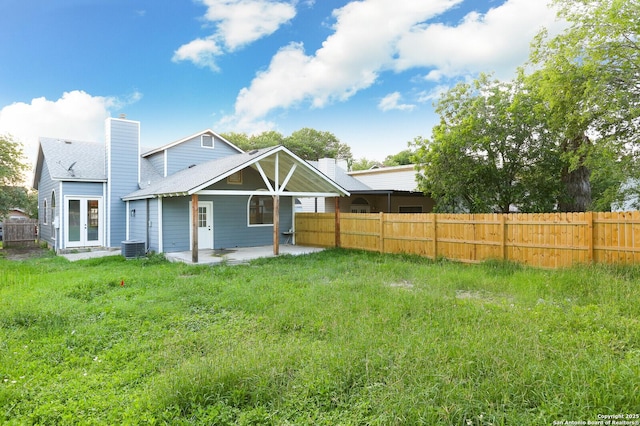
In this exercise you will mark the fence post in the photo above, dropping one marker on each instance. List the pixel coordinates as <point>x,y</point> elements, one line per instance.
<point>337,220</point>
<point>589,236</point>
<point>435,237</point>
<point>381,233</point>
<point>503,240</point>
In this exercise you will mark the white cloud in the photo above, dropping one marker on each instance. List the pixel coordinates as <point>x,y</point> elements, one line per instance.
<point>238,23</point>
<point>76,115</point>
<point>392,102</point>
<point>201,52</point>
<point>362,45</point>
<point>497,41</point>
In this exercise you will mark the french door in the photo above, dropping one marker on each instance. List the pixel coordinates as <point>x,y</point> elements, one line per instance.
<point>83,221</point>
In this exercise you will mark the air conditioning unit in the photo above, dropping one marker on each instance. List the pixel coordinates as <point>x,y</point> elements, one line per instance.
<point>131,249</point>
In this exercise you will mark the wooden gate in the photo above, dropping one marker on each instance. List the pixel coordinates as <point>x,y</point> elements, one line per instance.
<point>20,232</point>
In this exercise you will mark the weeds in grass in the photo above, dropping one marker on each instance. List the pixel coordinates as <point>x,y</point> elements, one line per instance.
<point>336,337</point>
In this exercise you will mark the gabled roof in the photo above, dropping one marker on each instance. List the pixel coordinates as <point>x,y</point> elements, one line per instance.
<point>71,160</point>
<point>195,135</point>
<point>305,178</point>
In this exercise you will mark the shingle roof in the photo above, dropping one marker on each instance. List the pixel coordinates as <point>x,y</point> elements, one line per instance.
<point>182,182</point>
<point>74,160</point>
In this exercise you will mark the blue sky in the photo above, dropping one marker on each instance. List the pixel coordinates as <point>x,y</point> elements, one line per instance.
<point>367,71</point>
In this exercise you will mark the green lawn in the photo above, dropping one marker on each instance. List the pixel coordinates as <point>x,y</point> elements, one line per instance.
<point>337,337</point>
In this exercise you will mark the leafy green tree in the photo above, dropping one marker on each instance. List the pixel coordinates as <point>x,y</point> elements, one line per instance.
<point>12,168</point>
<point>261,140</point>
<point>310,144</point>
<point>489,152</point>
<point>362,164</point>
<point>402,158</point>
<point>589,84</point>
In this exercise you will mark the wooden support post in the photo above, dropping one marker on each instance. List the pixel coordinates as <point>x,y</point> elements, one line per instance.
<point>194,228</point>
<point>503,239</point>
<point>276,225</point>
<point>589,236</point>
<point>381,233</point>
<point>337,215</point>
<point>435,237</point>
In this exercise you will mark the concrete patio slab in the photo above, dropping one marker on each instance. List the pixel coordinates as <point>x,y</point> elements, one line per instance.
<point>232,256</point>
<point>238,255</point>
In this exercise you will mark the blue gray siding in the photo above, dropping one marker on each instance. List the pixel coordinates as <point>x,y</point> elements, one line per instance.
<point>122,162</point>
<point>46,186</point>
<point>230,221</point>
<point>175,224</point>
<point>191,152</point>
<point>157,160</point>
<point>138,221</point>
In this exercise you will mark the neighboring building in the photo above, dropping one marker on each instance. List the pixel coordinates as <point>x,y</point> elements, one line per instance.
<point>92,194</point>
<point>383,189</point>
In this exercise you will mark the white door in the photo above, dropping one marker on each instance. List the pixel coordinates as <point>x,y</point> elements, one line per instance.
<point>205,224</point>
<point>83,222</point>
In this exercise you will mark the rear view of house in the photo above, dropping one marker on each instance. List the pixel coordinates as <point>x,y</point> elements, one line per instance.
<point>198,192</point>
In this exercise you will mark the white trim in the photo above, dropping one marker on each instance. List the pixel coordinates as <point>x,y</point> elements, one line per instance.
<point>101,221</point>
<point>259,193</point>
<point>288,178</point>
<point>264,177</point>
<point>127,223</point>
<point>209,205</point>
<point>213,141</point>
<point>282,194</point>
<point>159,227</point>
<point>165,160</point>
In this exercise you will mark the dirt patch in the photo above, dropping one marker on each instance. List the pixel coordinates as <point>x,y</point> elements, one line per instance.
<point>24,252</point>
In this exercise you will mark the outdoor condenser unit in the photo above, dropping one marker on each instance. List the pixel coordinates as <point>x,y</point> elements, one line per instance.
<point>133,248</point>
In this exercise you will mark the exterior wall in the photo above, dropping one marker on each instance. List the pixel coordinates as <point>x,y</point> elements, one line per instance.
<point>157,161</point>
<point>122,148</point>
<point>154,237</point>
<point>400,178</point>
<point>230,222</point>
<point>46,232</point>
<point>190,152</point>
<point>138,220</point>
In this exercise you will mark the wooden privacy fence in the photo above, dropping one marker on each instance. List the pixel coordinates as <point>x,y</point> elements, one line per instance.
<point>19,232</point>
<point>548,240</point>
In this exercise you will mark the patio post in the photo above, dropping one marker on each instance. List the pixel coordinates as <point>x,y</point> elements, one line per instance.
<point>194,228</point>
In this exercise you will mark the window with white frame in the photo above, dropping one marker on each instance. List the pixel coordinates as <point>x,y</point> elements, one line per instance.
<point>53,206</point>
<point>206,141</point>
<point>261,210</point>
<point>45,219</point>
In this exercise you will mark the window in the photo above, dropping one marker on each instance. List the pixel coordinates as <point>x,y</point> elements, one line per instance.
<point>45,219</point>
<point>360,205</point>
<point>207,141</point>
<point>53,207</point>
<point>261,210</point>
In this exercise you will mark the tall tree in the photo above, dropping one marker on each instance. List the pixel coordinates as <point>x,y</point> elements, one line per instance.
<point>490,151</point>
<point>589,79</point>
<point>311,144</point>
<point>12,168</point>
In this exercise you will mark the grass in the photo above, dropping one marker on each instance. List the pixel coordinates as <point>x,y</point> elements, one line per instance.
<point>337,337</point>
